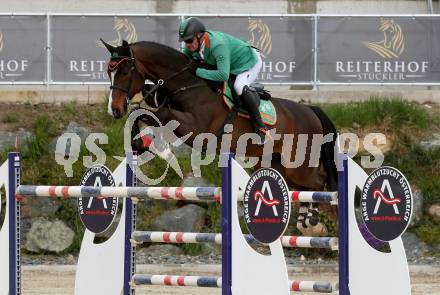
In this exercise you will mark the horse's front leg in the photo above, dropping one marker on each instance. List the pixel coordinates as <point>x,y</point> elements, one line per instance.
<point>187,124</point>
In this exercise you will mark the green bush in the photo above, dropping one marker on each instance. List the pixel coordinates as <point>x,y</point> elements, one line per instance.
<point>421,167</point>
<point>38,145</point>
<point>429,231</point>
<point>10,118</point>
<point>378,111</point>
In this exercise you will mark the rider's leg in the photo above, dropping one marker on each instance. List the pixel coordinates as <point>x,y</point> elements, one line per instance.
<point>249,76</point>
<point>250,99</point>
<point>251,102</point>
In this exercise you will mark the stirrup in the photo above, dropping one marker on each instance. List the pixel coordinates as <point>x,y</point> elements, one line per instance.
<point>263,136</point>
<point>266,132</point>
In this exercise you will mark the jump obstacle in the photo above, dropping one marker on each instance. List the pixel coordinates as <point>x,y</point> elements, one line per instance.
<point>109,267</point>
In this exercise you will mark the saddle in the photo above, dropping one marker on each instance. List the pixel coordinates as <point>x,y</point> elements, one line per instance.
<point>259,89</point>
<point>266,108</point>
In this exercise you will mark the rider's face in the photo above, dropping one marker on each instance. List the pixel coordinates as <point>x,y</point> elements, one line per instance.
<point>192,44</point>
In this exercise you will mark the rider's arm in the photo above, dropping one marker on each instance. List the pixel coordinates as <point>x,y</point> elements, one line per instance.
<point>223,62</point>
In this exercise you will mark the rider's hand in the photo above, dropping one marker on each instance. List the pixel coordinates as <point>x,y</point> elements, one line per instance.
<point>192,67</point>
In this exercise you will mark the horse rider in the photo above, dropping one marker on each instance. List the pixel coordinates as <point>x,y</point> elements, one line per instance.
<point>231,56</point>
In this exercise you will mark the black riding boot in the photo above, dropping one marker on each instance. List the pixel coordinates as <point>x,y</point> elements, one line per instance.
<point>251,102</point>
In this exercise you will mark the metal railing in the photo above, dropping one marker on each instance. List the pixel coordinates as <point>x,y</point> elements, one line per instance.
<point>315,82</point>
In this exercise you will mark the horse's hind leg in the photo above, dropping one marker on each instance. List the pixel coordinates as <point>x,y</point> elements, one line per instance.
<point>308,222</point>
<point>308,218</point>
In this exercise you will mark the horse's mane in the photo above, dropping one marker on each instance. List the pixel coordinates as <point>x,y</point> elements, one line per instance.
<point>156,49</point>
<point>176,58</point>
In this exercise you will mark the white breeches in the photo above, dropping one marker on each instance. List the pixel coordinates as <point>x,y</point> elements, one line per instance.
<point>246,78</point>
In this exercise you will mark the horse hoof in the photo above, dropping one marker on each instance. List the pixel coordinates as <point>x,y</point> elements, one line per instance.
<point>138,146</point>
<point>312,220</point>
<point>319,230</point>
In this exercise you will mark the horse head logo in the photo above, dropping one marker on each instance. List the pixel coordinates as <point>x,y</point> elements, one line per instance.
<point>2,42</point>
<point>125,30</point>
<point>393,42</point>
<point>260,36</point>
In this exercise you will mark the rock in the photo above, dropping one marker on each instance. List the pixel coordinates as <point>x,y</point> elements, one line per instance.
<point>73,127</point>
<point>211,248</point>
<point>39,207</point>
<point>189,218</point>
<point>161,250</point>
<point>192,181</point>
<point>364,143</point>
<point>356,125</point>
<point>7,139</point>
<point>32,208</point>
<point>432,144</point>
<point>182,150</point>
<point>25,227</point>
<point>82,132</point>
<point>45,235</point>
<point>70,259</point>
<point>414,248</point>
<point>434,212</point>
<point>384,148</point>
<point>417,208</point>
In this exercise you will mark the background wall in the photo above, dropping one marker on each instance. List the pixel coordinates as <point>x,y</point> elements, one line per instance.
<point>323,94</point>
<point>211,6</point>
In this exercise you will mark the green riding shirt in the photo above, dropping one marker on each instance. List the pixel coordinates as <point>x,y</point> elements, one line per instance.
<point>229,54</point>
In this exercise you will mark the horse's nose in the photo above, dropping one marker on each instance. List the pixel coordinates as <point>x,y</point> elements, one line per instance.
<point>117,113</point>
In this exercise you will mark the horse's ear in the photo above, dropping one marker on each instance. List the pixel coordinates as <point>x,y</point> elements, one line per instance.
<point>125,43</point>
<point>110,48</point>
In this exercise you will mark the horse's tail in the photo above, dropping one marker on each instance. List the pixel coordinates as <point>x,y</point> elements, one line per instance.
<point>328,149</point>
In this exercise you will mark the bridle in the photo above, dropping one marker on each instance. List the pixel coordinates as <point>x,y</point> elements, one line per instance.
<point>114,65</point>
<point>115,62</point>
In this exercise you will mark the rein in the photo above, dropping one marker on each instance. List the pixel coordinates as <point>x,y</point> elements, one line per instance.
<point>161,82</point>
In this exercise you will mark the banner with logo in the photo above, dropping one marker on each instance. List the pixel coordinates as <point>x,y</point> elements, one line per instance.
<point>379,49</point>
<point>79,56</point>
<point>23,41</point>
<point>386,203</point>
<point>350,49</point>
<point>97,214</point>
<point>285,44</point>
<point>266,205</point>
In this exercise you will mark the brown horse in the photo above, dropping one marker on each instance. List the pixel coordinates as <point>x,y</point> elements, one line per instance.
<point>199,109</point>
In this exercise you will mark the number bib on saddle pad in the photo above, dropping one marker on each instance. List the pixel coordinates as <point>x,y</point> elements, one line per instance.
<point>267,109</point>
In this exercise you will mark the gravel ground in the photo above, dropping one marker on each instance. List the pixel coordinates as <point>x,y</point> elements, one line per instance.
<point>142,257</point>
<point>59,279</point>
<point>50,275</point>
